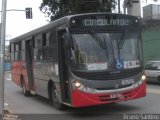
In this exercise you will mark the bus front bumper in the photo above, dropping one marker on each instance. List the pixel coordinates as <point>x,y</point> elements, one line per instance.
<point>83,99</point>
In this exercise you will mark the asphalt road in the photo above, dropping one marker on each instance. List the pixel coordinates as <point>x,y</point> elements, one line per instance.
<point>36,107</point>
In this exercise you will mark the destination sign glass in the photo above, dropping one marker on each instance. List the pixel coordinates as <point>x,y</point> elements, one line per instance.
<point>104,20</point>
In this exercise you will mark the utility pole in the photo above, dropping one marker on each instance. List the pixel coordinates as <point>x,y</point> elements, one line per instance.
<point>2,50</point>
<point>119,6</point>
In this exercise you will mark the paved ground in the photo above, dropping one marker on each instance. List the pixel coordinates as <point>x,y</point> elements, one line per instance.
<point>40,108</point>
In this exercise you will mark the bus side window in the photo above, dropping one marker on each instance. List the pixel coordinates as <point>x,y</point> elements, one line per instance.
<point>17,51</point>
<point>47,38</point>
<point>45,47</point>
<point>38,54</point>
<point>22,50</point>
<point>52,38</point>
<point>38,44</point>
<point>52,46</point>
<point>38,41</point>
<point>44,39</point>
<point>12,52</point>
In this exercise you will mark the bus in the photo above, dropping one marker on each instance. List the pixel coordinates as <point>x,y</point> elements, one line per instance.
<point>81,60</point>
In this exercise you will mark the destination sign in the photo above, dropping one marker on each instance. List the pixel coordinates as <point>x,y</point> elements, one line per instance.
<point>106,22</point>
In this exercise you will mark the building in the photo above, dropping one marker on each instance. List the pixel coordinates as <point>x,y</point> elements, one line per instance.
<point>132,7</point>
<point>151,12</point>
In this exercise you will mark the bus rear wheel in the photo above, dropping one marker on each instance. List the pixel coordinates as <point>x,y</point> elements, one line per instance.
<point>24,91</point>
<point>55,99</point>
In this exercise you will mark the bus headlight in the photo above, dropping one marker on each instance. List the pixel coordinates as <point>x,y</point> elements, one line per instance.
<point>81,87</point>
<point>77,84</point>
<point>143,78</point>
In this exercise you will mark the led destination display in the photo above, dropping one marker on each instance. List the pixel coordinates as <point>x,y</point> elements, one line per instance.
<point>104,21</point>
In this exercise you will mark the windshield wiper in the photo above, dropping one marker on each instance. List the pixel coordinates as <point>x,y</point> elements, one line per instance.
<point>121,41</point>
<point>98,39</point>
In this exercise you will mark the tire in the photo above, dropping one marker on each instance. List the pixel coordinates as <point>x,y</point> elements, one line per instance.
<point>55,99</point>
<point>24,91</point>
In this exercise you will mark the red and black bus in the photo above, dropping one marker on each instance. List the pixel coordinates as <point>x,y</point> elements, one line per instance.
<point>81,60</point>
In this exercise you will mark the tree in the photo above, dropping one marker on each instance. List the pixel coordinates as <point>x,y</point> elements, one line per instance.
<point>127,4</point>
<point>58,8</point>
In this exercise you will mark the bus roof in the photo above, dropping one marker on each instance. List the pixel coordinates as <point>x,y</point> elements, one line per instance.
<point>41,29</point>
<point>60,22</point>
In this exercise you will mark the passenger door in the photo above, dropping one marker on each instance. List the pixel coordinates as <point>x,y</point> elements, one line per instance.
<point>63,66</point>
<point>29,58</point>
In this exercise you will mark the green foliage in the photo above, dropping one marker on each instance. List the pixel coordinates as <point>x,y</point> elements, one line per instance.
<point>58,8</point>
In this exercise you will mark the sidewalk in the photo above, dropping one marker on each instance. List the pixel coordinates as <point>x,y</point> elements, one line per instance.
<point>7,110</point>
<point>7,75</point>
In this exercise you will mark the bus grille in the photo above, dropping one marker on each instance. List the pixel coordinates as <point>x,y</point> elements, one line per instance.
<point>113,87</point>
<point>109,76</point>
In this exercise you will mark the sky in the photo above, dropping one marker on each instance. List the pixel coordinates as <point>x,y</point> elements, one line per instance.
<point>16,22</point>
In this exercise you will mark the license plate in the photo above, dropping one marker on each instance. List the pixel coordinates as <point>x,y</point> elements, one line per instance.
<point>116,95</point>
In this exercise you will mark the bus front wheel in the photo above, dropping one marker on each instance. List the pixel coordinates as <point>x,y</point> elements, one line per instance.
<point>55,99</point>
<point>24,91</point>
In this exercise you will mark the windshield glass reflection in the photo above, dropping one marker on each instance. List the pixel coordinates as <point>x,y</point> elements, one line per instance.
<point>91,51</point>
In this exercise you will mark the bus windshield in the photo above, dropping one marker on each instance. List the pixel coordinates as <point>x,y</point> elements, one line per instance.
<point>97,51</point>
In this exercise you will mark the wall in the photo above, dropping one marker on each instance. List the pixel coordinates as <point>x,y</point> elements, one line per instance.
<point>151,43</point>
